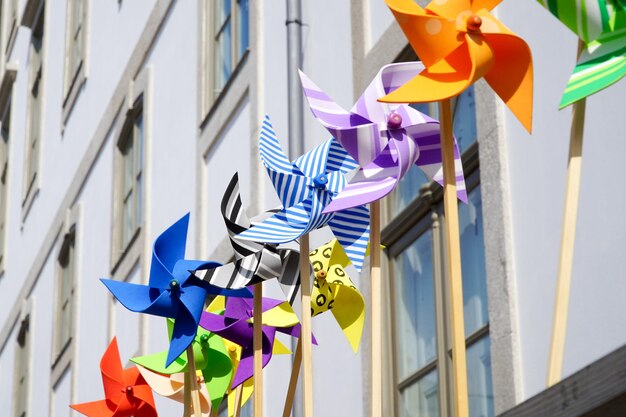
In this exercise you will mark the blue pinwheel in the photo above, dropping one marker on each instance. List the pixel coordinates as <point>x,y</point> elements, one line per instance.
<point>172,290</point>
<point>305,187</point>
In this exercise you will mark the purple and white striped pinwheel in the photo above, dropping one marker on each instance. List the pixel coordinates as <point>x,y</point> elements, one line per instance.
<point>385,139</point>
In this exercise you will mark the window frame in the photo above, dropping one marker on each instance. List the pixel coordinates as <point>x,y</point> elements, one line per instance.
<point>12,25</point>
<point>128,138</point>
<point>209,97</point>
<point>23,359</point>
<point>36,80</point>
<point>6,106</point>
<point>75,77</point>
<point>62,354</point>
<point>137,100</point>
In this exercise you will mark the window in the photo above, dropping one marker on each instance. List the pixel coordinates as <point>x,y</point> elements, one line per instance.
<point>5,128</point>
<point>33,142</point>
<point>22,367</point>
<point>9,9</point>
<point>227,40</point>
<point>415,240</point>
<point>130,181</point>
<point>75,51</point>
<point>64,294</point>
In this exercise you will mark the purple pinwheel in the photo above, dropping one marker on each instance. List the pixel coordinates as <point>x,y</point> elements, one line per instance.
<point>385,139</point>
<point>172,290</point>
<point>236,325</point>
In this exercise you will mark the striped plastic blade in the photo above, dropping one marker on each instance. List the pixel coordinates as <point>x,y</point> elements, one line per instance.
<point>351,227</point>
<point>313,163</point>
<point>379,178</point>
<point>290,188</point>
<point>272,153</point>
<point>286,225</point>
<point>339,160</point>
<point>601,64</point>
<point>429,160</point>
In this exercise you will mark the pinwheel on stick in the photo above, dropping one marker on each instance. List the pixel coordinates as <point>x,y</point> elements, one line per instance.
<point>126,392</point>
<point>211,360</point>
<point>238,396</point>
<point>601,29</point>
<point>334,291</point>
<point>173,292</point>
<point>254,262</point>
<point>386,140</point>
<point>236,325</point>
<point>459,42</point>
<point>305,187</point>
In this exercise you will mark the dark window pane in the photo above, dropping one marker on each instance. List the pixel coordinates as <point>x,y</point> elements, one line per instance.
<point>415,306</point>
<point>479,383</point>
<point>422,398</point>
<point>473,263</point>
<point>243,25</point>
<point>465,119</point>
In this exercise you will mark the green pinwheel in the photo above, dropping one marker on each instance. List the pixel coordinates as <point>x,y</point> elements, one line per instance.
<point>601,25</point>
<point>211,359</point>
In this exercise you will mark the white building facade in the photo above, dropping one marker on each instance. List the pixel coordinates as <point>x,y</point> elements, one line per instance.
<point>118,117</point>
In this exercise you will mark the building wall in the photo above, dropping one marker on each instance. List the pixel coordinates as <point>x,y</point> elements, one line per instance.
<point>191,154</point>
<point>537,183</point>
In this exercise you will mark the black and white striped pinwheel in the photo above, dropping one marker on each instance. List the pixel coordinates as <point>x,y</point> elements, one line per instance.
<point>254,262</point>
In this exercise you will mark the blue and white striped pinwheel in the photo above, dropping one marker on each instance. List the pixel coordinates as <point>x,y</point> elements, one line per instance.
<point>172,290</point>
<point>305,187</point>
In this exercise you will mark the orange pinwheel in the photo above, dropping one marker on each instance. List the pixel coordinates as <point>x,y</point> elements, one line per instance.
<point>127,393</point>
<point>459,42</point>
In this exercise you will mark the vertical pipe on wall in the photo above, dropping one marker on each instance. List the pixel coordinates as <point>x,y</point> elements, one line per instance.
<point>295,108</point>
<point>294,90</point>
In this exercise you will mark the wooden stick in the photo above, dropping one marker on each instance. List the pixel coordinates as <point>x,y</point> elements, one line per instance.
<point>453,245</point>
<point>376,311</point>
<point>187,392</point>
<point>293,381</point>
<point>258,350</point>
<point>306,333</point>
<point>238,397</point>
<point>193,383</point>
<point>568,234</point>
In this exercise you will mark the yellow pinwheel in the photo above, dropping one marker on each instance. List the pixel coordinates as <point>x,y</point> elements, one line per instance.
<point>334,290</point>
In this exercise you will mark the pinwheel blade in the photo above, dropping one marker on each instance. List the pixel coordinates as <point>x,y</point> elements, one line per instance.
<point>333,290</point>
<point>514,60</point>
<point>218,372</point>
<point>271,152</point>
<point>186,323</point>
<point>169,247</point>
<point>126,392</point>
<point>429,160</point>
<point>245,369</point>
<point>445,79</point>
<point>313,162</point>
<point>284,226</point>
<point>100,408</point>
<point>601,65</point>
<point>339,160</point>
<point>141,298</point>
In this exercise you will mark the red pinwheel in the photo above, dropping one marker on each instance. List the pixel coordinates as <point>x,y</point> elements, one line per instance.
<point>126,392</point>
